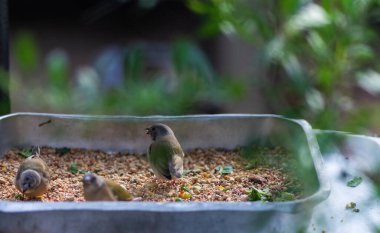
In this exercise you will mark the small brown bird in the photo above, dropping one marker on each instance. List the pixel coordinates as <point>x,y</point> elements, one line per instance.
<point>32,178</point>
<point>165,155</point>
<point>98,189</point>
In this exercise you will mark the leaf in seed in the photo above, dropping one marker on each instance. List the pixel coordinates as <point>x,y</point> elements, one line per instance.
<point>218,169</point>
<point>74,168</point>
<point>227,170</point>
<point>258,195</point>
<point>185,188</point>
<point>18,196</point>
<point>25,153</point>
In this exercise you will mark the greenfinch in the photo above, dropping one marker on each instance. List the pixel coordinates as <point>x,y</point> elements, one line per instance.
<point>32,178</point>
<point>165,155</point>
<point>98,189</point>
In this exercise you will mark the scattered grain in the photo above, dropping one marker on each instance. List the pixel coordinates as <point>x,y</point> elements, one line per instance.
<point>132,171</point>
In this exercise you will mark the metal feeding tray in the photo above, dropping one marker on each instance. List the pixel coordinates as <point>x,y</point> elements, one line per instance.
<point>126,133</point>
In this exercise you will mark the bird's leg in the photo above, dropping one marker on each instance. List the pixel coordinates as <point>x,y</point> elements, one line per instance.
<point>172,182</point>
<point>177,182</point>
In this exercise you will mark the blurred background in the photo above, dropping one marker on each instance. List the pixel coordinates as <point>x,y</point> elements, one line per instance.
<point>315,60</point>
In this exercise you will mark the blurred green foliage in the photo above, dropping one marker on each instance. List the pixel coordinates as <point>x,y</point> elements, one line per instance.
<point>318,55</point>
<point>26,51</point>
<point>190,85</point>
<point>319,61</point>
<point>4,87</point>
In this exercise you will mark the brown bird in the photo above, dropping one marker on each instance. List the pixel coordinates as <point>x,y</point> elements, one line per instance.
<point>165,155</point>
<point>32,178</point>
<point>98,189</point>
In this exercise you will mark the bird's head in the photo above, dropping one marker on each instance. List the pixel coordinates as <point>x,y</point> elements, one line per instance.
<point>90,179</point>
<point>29,180</point>
<point>158,130</point>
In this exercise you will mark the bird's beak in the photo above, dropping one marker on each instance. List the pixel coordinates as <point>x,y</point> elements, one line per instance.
<point>24,188</point>
<point>87,179</point>
<point>147,130</point>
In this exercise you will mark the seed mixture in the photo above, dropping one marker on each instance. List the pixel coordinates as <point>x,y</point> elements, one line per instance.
<point>210,175</point>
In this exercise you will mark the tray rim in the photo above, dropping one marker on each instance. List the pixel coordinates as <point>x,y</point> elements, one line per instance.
<point>295,206</point>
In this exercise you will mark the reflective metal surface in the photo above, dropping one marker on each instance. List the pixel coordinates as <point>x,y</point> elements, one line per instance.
<point>126,133</point>
<point>347,156</point>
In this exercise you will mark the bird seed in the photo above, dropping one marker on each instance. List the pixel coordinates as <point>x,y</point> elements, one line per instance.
<point>210,175</point>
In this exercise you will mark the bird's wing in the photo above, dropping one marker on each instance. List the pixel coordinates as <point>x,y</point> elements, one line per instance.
<point>120,193</point>
<point>33,164</point>
<point>159,155</point>
<point>40,166</point>
<point>176,166</point>
<point>176,160</point>
<point>166,158</point>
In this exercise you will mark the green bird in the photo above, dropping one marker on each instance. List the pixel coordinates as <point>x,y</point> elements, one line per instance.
<point>165,155</point>
<point>96,188</point>
<point>32,178</point>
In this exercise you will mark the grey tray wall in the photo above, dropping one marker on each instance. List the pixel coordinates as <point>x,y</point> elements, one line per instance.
<point>127,133</point>
<point>222,219</point>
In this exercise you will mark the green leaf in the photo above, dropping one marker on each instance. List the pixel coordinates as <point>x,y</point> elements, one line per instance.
<point>74,168</point>
<point>218,169</point>
<point>18,196</point>
<point>58,69</point>
<point>83,171</point>
<point>185,188</point>
<point>198,6</point>
<point>355,181</point>
<point>25,153</point>
<point>258,195</point>
<point>227,170</point>
<point>310,16</point>
<point>178,199</point>
<point>234,88</point>
<point>26,51</point>
<point>369,81</point>
<point>62,151</point>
